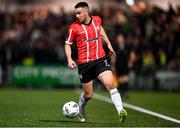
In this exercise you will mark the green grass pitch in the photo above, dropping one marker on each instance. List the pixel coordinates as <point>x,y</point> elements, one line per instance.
<point>43,108</point>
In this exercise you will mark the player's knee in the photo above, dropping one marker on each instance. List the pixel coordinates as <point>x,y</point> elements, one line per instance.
<point>109,85</point>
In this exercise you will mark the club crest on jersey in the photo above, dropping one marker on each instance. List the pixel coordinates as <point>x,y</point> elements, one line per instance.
<point>98,28</point>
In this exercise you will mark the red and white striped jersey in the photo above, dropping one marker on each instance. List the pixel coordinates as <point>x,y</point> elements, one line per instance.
<point>87,38</point>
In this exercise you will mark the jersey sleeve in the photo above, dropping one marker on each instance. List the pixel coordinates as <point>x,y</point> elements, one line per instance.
<point>71,35</point>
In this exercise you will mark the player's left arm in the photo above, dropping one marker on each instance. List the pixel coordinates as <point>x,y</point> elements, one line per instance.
<point>106,40</point>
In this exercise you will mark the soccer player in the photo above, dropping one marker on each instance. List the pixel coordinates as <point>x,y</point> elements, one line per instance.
<point>87,32</point>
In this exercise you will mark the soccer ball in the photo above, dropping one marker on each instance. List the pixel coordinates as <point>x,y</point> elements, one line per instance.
<point>70,109</point>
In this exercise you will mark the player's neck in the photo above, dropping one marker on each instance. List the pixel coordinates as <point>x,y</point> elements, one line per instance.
<point>88,21</point>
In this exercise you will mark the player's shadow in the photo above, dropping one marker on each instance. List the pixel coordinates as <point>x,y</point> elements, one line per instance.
<point>78,122</point>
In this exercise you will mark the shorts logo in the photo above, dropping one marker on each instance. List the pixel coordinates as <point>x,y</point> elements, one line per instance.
<point>106,63</point>
<point>80,76</point>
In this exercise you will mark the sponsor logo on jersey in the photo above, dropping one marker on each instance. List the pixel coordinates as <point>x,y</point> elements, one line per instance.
<point>92,39</point>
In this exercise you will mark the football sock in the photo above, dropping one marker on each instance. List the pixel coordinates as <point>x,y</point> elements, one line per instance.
<point>116,99</point>
<point>82,101</point>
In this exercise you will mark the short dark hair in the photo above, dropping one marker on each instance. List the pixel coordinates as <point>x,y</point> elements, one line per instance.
<point>81,4</point>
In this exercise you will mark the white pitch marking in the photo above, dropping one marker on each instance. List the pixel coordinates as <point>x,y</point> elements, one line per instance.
<point>136,108</point>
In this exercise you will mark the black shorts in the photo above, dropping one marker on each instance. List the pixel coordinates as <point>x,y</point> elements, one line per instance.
<point>91,70</point>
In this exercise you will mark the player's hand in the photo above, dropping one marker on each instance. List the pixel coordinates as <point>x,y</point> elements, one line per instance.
<point>71,64</point>
<point>112,53</point>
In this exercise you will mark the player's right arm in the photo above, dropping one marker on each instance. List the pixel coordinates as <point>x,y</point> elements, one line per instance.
<point>67,47</point>
<point>71,63</point>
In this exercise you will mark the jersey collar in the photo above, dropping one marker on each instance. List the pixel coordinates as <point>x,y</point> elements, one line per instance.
<point>89,21</point>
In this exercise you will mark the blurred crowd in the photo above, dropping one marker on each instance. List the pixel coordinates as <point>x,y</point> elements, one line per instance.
<point>37,36</point>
